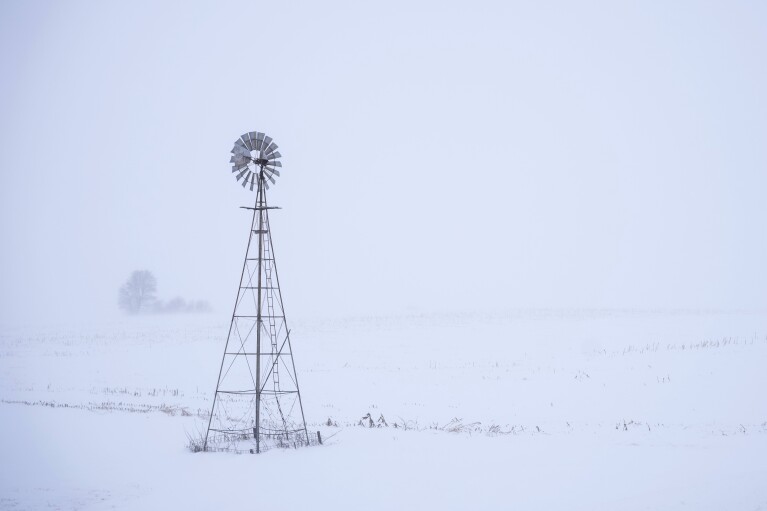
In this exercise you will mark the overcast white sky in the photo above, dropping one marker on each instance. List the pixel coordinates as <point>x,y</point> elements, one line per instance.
<point>437,156</point>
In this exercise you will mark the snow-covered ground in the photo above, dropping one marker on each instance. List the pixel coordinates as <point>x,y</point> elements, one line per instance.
<point>526,410</point>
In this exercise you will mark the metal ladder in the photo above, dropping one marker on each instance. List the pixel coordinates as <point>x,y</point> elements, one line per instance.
<point>270,310</point>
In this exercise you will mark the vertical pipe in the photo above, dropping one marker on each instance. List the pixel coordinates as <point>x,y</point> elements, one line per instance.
<point>258,313</point>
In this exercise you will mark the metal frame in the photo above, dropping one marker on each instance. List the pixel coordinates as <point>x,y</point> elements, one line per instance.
<point>260,226</point>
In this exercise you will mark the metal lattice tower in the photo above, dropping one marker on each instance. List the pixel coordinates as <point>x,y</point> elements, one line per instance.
<point>257,404</point>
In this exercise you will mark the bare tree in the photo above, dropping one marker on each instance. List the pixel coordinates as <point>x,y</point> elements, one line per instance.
<point>138,293</point>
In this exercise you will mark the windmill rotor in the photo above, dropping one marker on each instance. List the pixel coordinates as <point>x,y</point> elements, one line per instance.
<point>255,157</point>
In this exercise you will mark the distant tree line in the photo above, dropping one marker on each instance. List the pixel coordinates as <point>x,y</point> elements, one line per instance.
<point>139,295</point>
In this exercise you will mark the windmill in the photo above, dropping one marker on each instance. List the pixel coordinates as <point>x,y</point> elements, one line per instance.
<point>257,404</point>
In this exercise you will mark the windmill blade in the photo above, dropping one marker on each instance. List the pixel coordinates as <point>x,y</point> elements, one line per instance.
<point>252,181</point>
<point>245,181</point>
<point>273,171</point>
<point>274,163</point>
<point>257,144</point>
<point>237,168</point>
<point>239,143</point>
<point>242,173</point>
<point>239,159</point>
<point>270,150</point>
<point>246,140</point>
<point>241,150</point>
<point>266,185</point>
<point>270,178</point>
<point>259,141</point>
<point>265,145</point>
<point>275,155</point>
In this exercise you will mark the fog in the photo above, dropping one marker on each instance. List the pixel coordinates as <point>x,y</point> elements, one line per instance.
<point>440,156</point>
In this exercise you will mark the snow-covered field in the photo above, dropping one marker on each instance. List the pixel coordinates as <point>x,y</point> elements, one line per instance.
<point>520,410</point>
